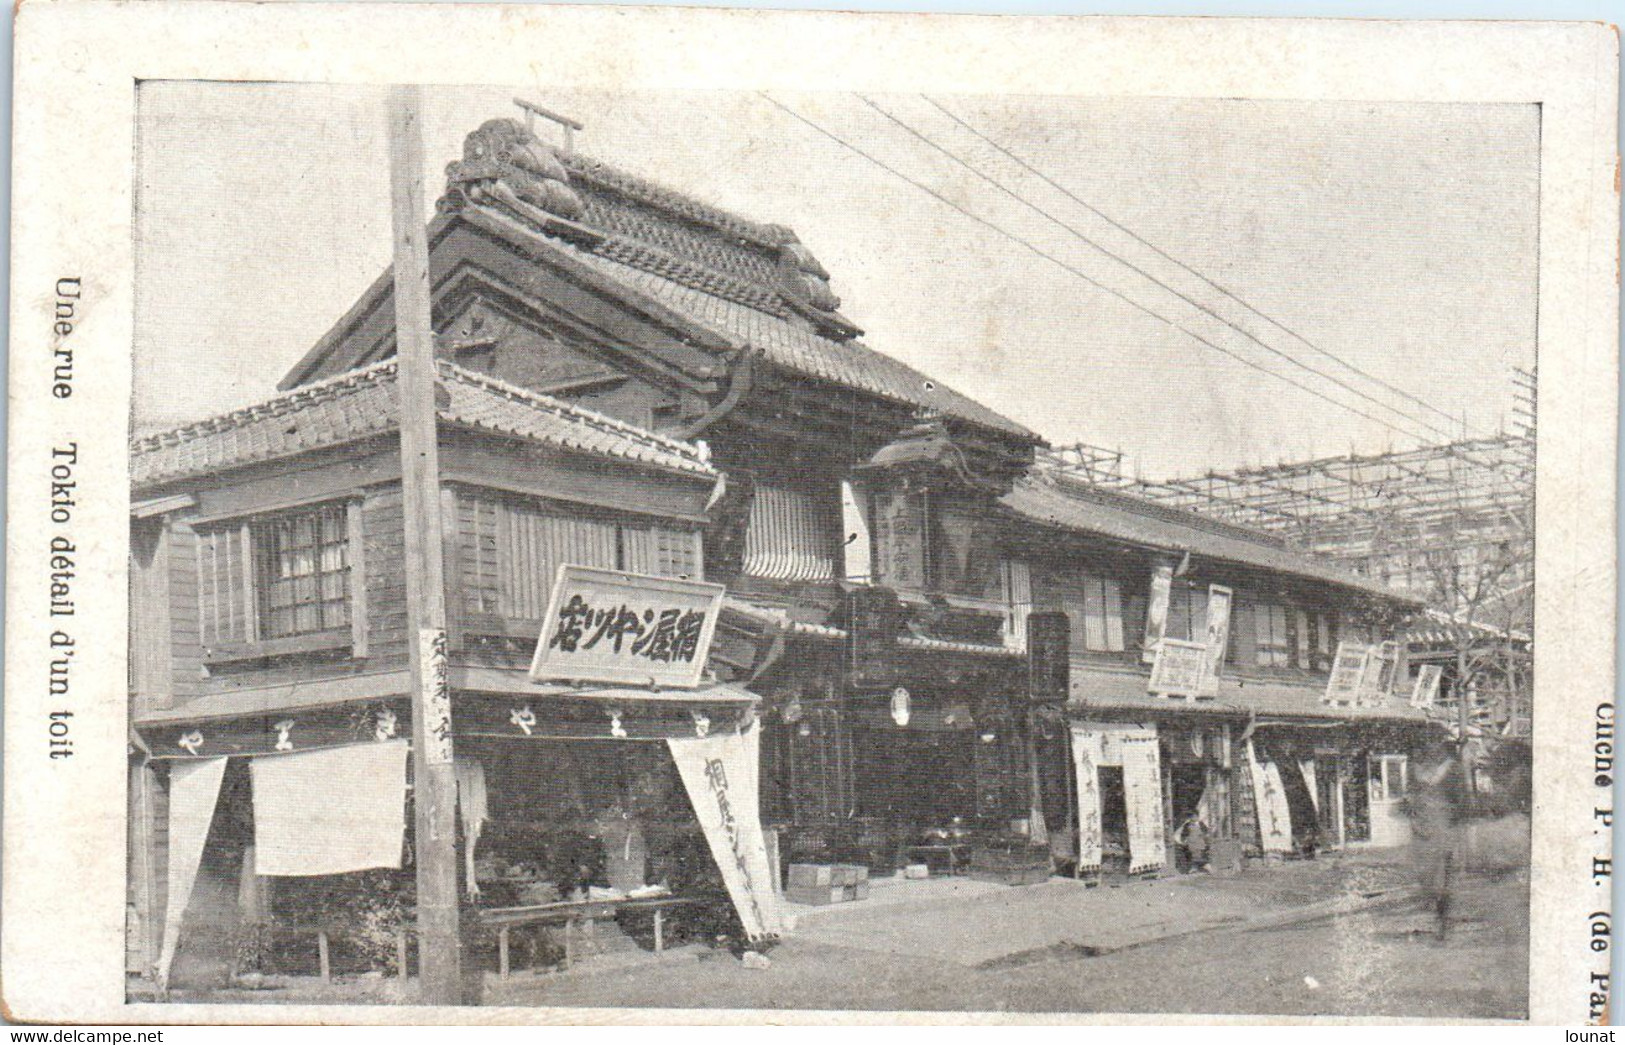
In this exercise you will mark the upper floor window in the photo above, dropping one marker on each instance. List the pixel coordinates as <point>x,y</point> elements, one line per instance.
<point>1271,637</point>
<point>281,576</point>
<point>1096,613</point>
<point>509,552</point>
<point>1187,612</point>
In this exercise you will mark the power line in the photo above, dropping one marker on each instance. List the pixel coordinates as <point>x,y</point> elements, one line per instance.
<point>922,137</point>
<point>1102,215</point>
<point>1082,275</point>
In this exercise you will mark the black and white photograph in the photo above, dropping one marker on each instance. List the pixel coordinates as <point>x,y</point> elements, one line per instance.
<point>991,553</point>
<point>551,515</point>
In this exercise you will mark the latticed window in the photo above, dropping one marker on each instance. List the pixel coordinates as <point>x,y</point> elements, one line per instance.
<point>509,552</point>
<point>276,576</point>
<point>303,571</point>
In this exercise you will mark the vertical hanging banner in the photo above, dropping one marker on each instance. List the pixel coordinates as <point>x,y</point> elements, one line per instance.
<point>720,774</point>
<point>1156,614</point>
<point>1142,792</point>
<point>436,695</point>
<point>1086,759</point>
<point>194,788</point>
<point>1216,639</point>
<point>1274,819</point>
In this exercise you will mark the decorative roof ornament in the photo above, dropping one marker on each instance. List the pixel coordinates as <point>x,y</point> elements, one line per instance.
<point>503,162</point>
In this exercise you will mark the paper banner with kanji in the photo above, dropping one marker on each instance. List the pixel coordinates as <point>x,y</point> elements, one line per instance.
<point>719,772</point>
<point>1142,792</point>
<point>1086,759</point>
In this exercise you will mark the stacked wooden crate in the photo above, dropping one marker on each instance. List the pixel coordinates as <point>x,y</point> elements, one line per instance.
<point>820,884</point>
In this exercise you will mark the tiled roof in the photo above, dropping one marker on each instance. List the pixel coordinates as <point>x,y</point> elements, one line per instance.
<point>363,403</point>
<point>1124,691</point>
<point>753,283</point>
<point>1150,525</point>
<point>795,347</point>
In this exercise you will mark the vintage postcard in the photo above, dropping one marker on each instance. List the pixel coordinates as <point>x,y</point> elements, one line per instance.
<point>551,514</point>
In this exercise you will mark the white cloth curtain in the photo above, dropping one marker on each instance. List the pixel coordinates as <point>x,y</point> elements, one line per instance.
<point>720,774</point>
<point>1086,759</point>
<point>1274,819</point>
<point>330,811</point>
<point>1142,791</point>
<point>194,790</point>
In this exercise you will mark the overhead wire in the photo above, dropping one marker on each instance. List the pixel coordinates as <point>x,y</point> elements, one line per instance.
<point>1120,259</point>
<point>1148,310</point>
<point>1232,295</point>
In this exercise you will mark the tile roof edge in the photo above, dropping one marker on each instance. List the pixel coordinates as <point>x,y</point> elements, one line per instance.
<point>1313,569</point>
<point>374,373</point>
<point>598,420</point>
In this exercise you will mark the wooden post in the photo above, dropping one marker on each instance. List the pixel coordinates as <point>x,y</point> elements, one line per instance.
<point>435,786</point>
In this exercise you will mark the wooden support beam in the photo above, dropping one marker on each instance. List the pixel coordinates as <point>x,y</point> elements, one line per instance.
<point>434,784</point>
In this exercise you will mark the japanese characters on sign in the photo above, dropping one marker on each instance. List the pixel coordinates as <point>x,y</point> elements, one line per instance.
<point>1180,669</point>
<point>608,626</point>
<point>1191,669</point>
<point>436,695</point>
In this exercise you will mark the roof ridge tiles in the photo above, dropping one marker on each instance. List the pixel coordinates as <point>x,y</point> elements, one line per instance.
<point>654,193</point>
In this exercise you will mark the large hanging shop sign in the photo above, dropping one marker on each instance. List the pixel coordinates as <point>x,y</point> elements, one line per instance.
<point>609,626</point>
<point>1191,669</point>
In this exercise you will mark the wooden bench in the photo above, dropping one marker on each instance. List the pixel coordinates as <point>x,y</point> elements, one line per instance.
<point>573,916</point>
<point>324,948</point>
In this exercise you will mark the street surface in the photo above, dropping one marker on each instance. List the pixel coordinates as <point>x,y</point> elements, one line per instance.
<point>1276,940</point>
<point>1382,961</point>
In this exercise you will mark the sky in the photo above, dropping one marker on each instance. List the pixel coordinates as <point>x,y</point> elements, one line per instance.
<point>1397,240</point>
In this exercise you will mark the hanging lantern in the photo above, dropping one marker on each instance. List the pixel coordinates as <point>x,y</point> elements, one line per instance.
<point>900,706</point>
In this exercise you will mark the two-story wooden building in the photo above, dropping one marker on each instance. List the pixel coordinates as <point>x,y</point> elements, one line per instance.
<point>269,671</point>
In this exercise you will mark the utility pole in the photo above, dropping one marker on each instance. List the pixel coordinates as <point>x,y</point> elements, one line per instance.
<point>434,782</point>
